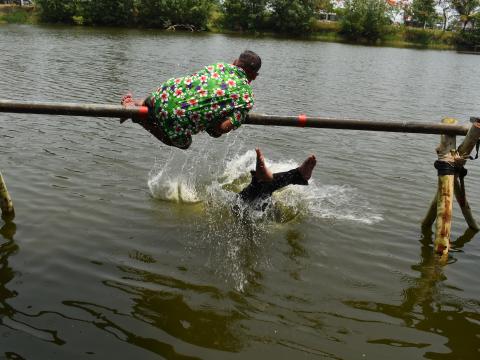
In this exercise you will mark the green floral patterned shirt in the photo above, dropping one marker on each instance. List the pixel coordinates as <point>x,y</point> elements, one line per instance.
<point>187,105</point>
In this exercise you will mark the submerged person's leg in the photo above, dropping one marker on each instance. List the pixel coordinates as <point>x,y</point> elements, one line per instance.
<point>262,173</point>
<point>298,176</point>
<point>264,183</point>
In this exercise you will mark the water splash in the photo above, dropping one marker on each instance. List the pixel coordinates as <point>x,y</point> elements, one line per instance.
<point>235,234</point>
<point>206,178</point>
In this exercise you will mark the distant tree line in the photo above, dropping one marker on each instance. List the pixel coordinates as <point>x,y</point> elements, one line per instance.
<point>288,16</point>
<point>148,13</point>
<point>360,20</point>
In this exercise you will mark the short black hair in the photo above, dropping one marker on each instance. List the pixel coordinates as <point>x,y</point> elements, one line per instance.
<point>250,60</point>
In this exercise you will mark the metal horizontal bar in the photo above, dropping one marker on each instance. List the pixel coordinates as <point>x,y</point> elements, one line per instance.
<point>358,124</point>
<point>118,111</point>
<point>51,108</point>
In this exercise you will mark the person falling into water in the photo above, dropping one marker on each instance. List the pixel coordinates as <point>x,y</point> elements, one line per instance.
<point>264,183</point>
<point>215,99</point>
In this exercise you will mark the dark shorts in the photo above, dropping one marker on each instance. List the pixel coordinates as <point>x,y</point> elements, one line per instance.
<point>258,190</point>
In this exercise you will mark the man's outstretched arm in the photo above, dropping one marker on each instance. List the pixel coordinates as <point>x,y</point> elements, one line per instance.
<point>228,124</point>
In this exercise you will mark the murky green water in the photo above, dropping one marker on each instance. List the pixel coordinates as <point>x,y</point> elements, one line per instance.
<point>103,262</point>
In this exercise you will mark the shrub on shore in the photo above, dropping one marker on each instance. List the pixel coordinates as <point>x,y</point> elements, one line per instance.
<point>468,40</point>
<point>366,20</point>
<point>58,11</point>
<point>166,13</point>
<point>17,15</point>
<point>146,13</point>
<point>427,36</point>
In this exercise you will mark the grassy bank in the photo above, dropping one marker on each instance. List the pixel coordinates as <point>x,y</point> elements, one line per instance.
<point>397,36</point>
<point>14,14</point>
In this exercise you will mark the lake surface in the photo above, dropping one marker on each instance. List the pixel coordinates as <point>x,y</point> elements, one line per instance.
<point>124,248</point>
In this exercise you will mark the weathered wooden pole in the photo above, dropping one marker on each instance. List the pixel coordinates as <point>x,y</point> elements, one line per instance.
<point>446,178</point>
<point>450,164</point>
<point>118,111</point>
<point>6,204</point>
<point>463,153</point>
<point>471,139</point>
<point>461,197</point>
<point>429,219</point>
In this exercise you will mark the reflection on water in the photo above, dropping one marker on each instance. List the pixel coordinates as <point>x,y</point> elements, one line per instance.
<point>424,308</point>
<point>10,317</point>
<point>169,304</point>
<point>296,253</point>
<point>236,241</point>
<point>8,248</point>
<point>105,320</point>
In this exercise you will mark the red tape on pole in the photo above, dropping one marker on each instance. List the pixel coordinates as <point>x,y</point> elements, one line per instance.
<point>143,112</point>
<point>302,120</point>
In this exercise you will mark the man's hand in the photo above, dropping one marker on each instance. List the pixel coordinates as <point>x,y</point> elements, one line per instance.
<point>224,127</point>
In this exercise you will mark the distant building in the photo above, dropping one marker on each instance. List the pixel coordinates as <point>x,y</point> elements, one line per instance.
<point>17,2</point>
<point>326,16</point>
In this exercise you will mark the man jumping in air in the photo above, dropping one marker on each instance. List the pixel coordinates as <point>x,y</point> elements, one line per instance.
<point>215,99</point>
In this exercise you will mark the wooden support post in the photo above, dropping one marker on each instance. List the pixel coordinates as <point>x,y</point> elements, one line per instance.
<point>471,139</point>
<point>446,152</point>
<point>431,214</point>
<point>464,150</point>
<point>464,205</point>
<point>6,204</point>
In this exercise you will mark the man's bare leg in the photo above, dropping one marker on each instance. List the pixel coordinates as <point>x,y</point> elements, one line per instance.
<point>307,167</point>
<point>129,101</point>
<point>264,183</point>
<point>262,173</point>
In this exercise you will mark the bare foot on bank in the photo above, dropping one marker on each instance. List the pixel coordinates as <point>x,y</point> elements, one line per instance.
<point>262,173</point>
<point>307,167</point>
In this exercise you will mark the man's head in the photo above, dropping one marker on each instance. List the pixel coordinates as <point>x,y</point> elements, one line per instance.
<point>250,63</point>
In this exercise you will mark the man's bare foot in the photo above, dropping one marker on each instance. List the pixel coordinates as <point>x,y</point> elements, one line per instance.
<point>307,167</point>
<point>127,101</point>
<point>262,173</point>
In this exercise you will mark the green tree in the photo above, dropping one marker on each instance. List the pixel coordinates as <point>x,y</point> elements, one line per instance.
<point>469,40</point>
<point>423,12</point>
<point>467,10</point>
<point>325,5</point>
<point>107,12</point>
<point>445,5</point>
<point>292,16</point>
<point>247,15</point>
<point>365,19</point>
<point>57,10</point>
<point>165,13</point>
